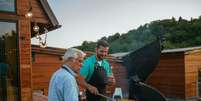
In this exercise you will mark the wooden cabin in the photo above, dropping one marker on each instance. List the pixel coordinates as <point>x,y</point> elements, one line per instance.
<point>176,75</point>
<point>16,31</point>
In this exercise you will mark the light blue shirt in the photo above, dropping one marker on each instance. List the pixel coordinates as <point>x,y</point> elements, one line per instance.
<point>63,86</point>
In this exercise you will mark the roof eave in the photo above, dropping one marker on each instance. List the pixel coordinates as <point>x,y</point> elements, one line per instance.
<point>50,14</point>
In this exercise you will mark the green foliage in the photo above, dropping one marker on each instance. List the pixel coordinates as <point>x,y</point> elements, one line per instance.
<point>87,46</point>
<point>178,34</point>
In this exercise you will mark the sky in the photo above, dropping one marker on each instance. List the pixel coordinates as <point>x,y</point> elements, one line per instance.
<point>92,19</point>
<point>5,27</point>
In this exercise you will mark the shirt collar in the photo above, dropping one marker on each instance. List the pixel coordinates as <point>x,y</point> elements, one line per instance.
<point>70,70</point>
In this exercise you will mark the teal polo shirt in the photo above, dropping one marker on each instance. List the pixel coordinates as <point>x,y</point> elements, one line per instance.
<point>87,68</point>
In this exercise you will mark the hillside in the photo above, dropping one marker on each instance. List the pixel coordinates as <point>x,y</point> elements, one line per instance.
<point>175,34</point>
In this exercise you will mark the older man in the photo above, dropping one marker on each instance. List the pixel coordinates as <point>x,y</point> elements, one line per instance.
<point>63,85</point>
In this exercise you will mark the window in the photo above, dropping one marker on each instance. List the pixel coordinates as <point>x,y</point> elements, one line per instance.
<point>9,79</point>
<point>7,5</point>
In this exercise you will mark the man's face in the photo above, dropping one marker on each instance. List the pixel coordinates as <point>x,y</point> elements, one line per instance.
<point>102,52</point>
<point>77,63</point>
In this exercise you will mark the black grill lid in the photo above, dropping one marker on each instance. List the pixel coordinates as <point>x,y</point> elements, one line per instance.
<point>143,92</point>
<point>141,63</point>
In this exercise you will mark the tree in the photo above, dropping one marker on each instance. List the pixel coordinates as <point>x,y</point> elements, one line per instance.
<point>177,34</point>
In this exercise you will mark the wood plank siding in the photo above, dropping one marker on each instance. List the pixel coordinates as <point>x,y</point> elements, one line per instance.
<point>43,68</point>
<point>192,65</point>
<point>44,63</point>
<point>39,13</point>
<point>168,77</point>
<point>177,74</point>
<point>120,74</point>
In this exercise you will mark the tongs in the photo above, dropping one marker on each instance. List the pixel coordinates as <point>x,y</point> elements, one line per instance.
<point>108,98</point>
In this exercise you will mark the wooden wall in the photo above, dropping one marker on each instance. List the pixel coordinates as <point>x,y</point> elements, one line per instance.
<point>24,51</point>
<point>24,28</point>
<point>168,77</point>
<point>192,65</point>
<point>44,65</point>
<point>39,13</point>
<point>120,74</point>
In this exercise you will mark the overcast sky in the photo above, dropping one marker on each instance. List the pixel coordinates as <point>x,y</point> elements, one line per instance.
<point>92,19</point>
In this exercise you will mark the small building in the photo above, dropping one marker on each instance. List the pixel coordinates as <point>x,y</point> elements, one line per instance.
<point>17,19</point>
<point>176,75</point>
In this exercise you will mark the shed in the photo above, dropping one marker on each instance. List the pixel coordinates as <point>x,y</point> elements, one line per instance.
<point>176,75</point>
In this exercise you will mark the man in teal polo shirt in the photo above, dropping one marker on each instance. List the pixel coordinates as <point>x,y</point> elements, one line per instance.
<point>97,72</point>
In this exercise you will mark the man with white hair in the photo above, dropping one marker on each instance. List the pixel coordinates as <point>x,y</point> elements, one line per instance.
<point>63,85</point>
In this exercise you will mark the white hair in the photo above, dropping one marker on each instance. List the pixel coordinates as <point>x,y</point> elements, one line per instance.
<point>72,53</point>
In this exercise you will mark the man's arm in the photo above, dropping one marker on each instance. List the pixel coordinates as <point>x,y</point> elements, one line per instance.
<point>69,90</point>
<point>81,79</point>
<point>82,82</point>
<point>111,79</point>
<point>111,82</point>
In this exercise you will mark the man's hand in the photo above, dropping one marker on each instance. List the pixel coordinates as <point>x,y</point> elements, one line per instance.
<point>92,89</point>
<point>81,81</point>
<point>111,81</point>
<point>111,85</point>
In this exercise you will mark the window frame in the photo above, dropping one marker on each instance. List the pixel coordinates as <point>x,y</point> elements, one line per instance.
<point>12,12</point>
<point>18,56</point>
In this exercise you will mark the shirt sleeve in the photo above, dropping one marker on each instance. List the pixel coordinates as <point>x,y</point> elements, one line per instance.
<point>70,91</point>
<point>84,70</point>
<point>109,70</point>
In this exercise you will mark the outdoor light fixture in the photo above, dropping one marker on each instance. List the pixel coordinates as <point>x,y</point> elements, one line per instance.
<point>36,28</point>
<point>29,14</point>
<point>42,42</point>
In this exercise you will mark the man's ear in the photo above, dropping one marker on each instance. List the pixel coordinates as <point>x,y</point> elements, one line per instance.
<point>96,49</point>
